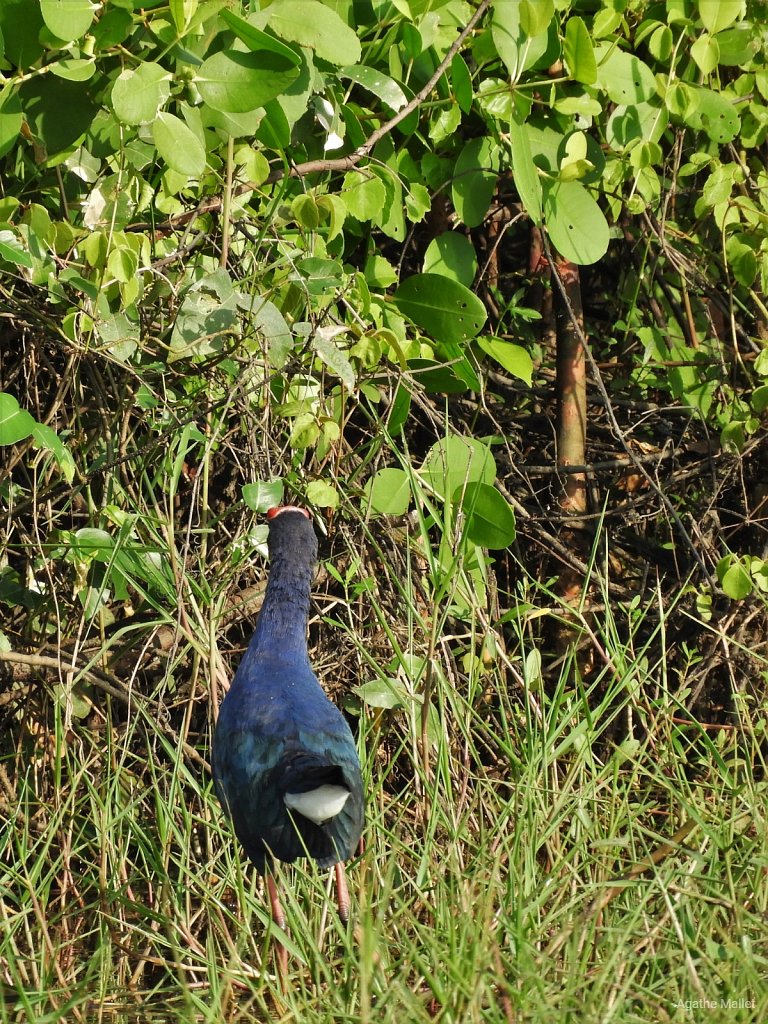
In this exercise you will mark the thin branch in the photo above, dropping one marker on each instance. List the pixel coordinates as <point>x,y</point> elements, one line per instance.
<point>344,163</point>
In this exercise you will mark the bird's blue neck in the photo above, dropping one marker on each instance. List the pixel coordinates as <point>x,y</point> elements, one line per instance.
<point>282,622</point>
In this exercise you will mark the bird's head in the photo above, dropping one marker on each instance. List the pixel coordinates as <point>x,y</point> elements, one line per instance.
<point>273,513</point>
<point>292,535</point>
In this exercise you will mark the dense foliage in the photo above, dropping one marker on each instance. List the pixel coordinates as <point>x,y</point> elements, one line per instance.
<point>262,249</point>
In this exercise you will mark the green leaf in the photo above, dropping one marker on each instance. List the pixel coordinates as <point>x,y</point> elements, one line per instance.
<point>490,519</point>
<point>11,118</point>
<point>579,53</point>
<point>15,424</point>
<point>322,494</point>
<point>263,495</point>
<point>513,358</point>
<point>381,85</point>
<point>524,170</point>
<point>719,14</point>
<point>306,212</point>
<point>575,223</point>
<point>535,16</point>
<point>734,578</point>
<point>236,82</point>
<point>454,462</point>
<point>208,315</point>
<point>305,431</point>
<point>363,194</point>
<point>334,358</point>
<point>138,95</point>
<point>714,112</point>
<point>178,145</point>
<point>13,251</point>
<point>444,308</point>
<point>760,398</point>
<point>625,77</point>
<point>255,39</point>
<point>474,181</point>
<point>383,693</point>
<point>517,49</point>
<point>46,437</point>
<point>388,493</point>
<point>461,83</point>
<point>310,23</point>
<point>451,254</point>
<point>74,70</point>
<point>68,19</point>
<point>706,53</point>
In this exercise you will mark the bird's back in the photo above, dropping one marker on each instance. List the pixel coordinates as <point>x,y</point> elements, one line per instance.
<point>277,737</point>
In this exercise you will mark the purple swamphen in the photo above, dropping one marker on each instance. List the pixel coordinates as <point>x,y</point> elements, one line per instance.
<point>285,765</point>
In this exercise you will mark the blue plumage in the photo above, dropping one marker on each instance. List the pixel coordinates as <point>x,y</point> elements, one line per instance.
<point>278,737</point>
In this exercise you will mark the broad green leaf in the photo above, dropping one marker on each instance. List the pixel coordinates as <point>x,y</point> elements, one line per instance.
<point>58,112</point>
<point>306,212</point>
<point>734,578</point>
<point>451,254</point>
<point>381,85</point>
<point>454,462</point>
<point>74,70</point>
<point>706,53</point>
<point>514,358</point>
<point>208,315</point>
<point>333,356</point>
<point>388,493</point>
<point>268,323</point>
<point>461,83</point>
<point>383,693</point>
<point>575,223</point>
<point>579,53</point>
<point>182,12</point>
<point>120,335</point>
<point>719,14</point>
<point>322,494</point>
<point>138,95</point>
<point>364,195</point>
<point>236,82</point>
<point>45,437</point>
<point>624,77</point>
<point>641,122</point>
<point>490,519</point>
<point>714,112</point>
<point>516,48</point>
<point>12,250</point>
<point>92,544</point>
<point>305,431</point>
<point>16,424</point>
<point>263,495</point>
<point>310,23</point>
<point>122,264</point>
<point>178,145</point>
<point>474,181</point>
<point>11,118</point>
<point>738,45</point>
<point>524,171</point>
<point>255,39</point>
<point>68,19</point>
<point>444,308</point>
<point>536,16</point>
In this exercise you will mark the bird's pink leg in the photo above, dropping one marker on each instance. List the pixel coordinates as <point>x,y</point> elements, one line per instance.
<point>342,891</point>
<point>278,917</point>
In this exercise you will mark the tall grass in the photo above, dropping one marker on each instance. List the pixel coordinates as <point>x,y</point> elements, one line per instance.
<point>522,865</point>
<point>545,839</point>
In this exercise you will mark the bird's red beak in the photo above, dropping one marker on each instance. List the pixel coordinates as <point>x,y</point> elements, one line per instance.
<point>273,512</point>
